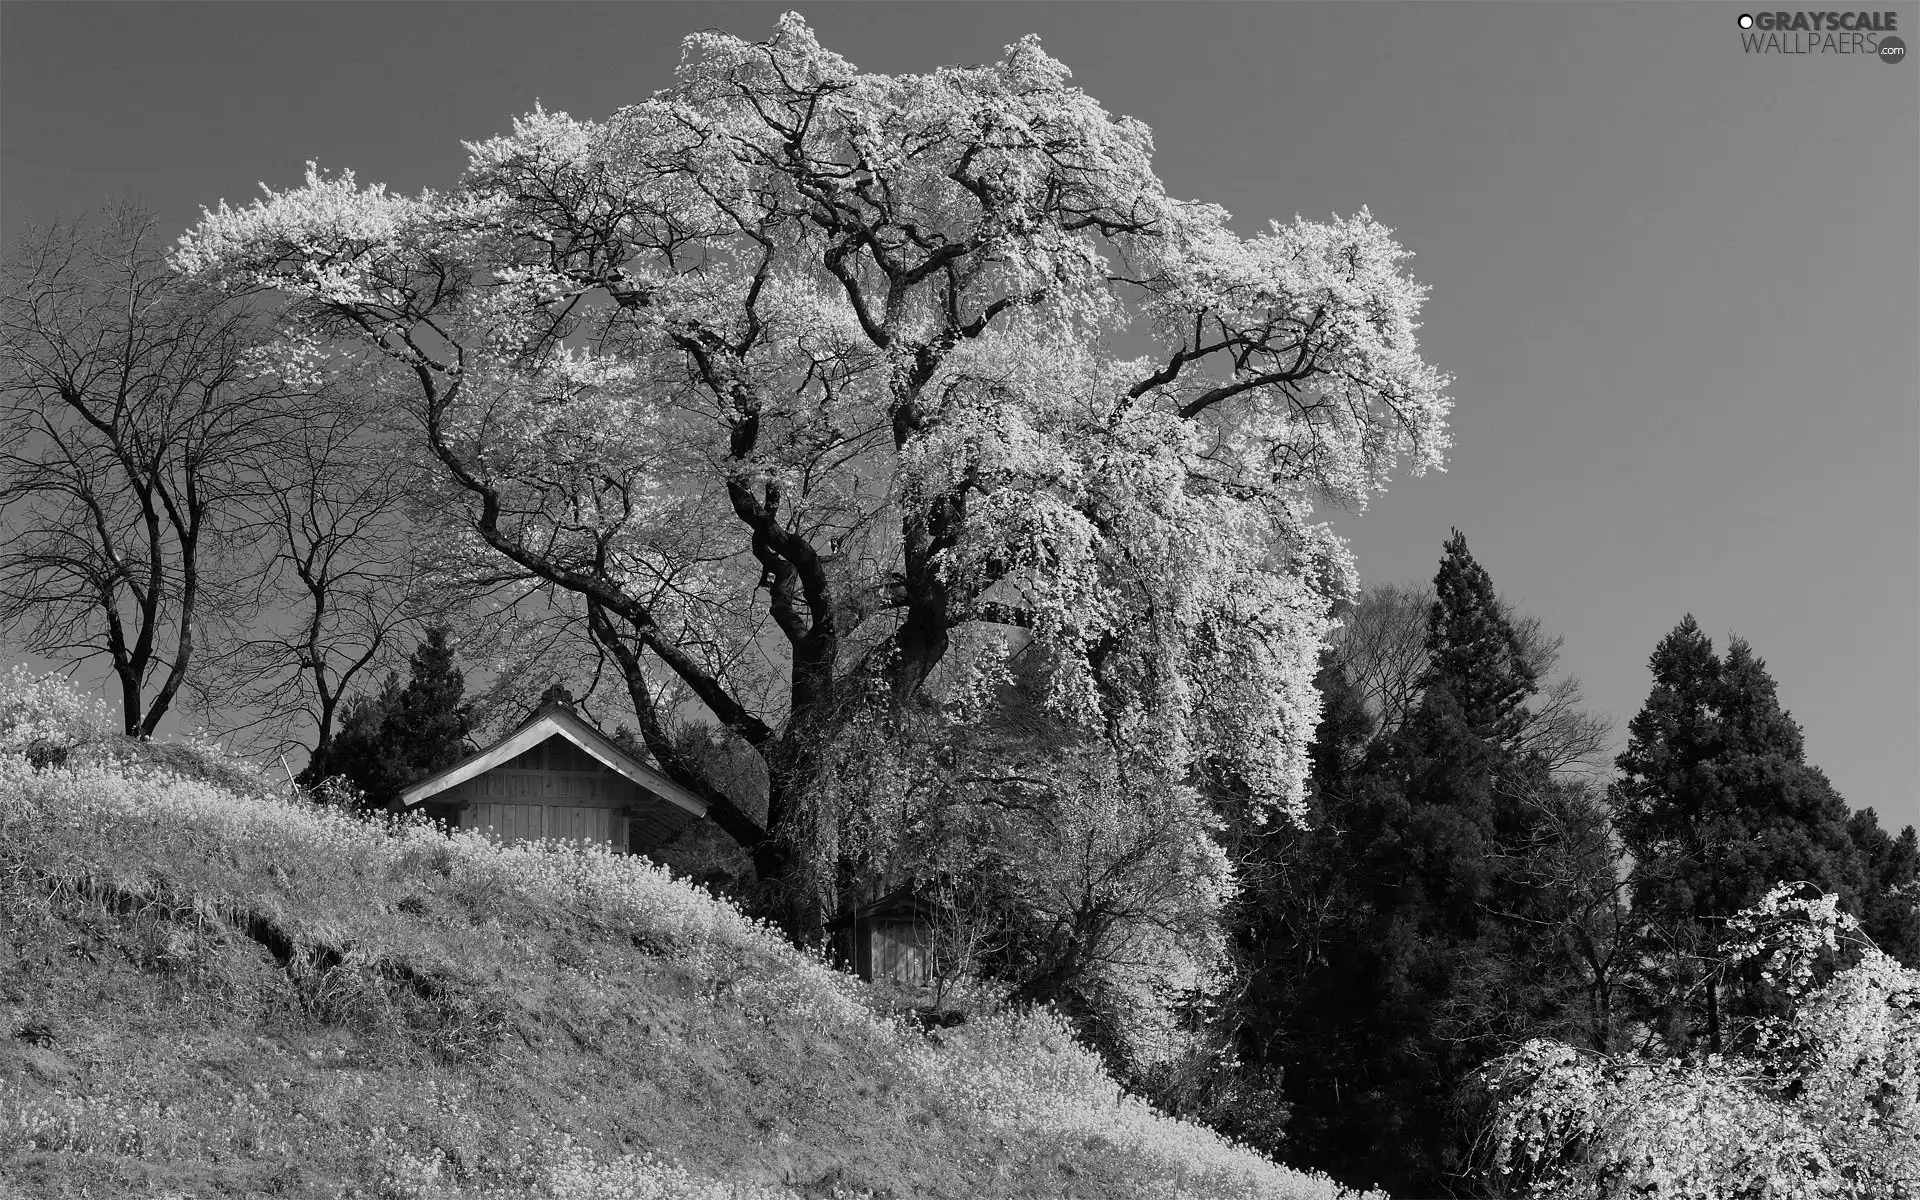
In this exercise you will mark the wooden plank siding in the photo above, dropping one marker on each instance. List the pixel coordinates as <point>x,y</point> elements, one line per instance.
<point>889,938</point>
<point>556,790</point>
<point>897,950</point>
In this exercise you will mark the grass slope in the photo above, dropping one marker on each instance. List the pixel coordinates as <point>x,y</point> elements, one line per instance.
<point>204,993</point>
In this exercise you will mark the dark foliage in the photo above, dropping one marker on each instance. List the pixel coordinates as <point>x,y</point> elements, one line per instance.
<point>402,733</point>
<point>1405,935</point>
<point>1474,655</point>
<point>1890,907</point>
<point>1716,803</point>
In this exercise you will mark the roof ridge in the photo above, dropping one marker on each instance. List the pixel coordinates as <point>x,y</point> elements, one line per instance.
<point>560,715</point>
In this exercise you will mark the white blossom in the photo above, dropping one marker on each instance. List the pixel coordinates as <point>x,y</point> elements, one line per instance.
<point>881,304</point>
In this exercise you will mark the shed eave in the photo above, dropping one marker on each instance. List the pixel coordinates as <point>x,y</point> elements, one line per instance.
<point>545,725</point>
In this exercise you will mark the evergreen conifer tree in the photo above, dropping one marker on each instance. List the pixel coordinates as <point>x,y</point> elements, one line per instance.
<point>354,752</point>
<point>1890,906</point>
<point>1303,925</point>
<point>401,733</point>
<point>1422,966</point>
<point>1402,938</point>
<point>1794,823</point>
<point>1473,654</point>
<point>426,729</point>
<point>1716,803</point>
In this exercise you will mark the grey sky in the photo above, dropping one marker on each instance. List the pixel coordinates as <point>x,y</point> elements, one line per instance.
<point>1679,284</point>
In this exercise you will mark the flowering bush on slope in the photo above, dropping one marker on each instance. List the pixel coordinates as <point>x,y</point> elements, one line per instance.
<point>1827,1104</point>
<point>326,879</point>
<point>43,718</point>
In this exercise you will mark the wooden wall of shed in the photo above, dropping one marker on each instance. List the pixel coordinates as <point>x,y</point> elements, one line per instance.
<point>899,950</point>
<point>556,773</point>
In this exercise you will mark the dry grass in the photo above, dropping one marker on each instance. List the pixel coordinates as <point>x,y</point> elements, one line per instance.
<point>206,993</point>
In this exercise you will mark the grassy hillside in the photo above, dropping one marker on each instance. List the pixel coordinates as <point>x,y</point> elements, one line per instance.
<point>204,993</point>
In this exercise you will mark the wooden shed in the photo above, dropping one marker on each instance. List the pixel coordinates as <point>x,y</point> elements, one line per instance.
<point>891,938</point>
<point>558,777</point>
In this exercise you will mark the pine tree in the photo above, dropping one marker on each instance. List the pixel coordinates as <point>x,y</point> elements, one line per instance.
<point>1473,653</point>
<point>1664,805</point>
<point>427,728</point>
<point>1793,820</point>
<point>354,752</point>
<point>1467,958</point>
<point>1716,804</point>
<point>1337,757</point>
<point>1454,755</point>
<point>1890,905</point>
<point>1420,967</point>
<point>1406,935</point>
<point>400,734</point>
<point>1303,928</point>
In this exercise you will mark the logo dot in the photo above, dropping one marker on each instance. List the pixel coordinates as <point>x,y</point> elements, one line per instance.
<point>1892,49</point>
<point>1746,21</point>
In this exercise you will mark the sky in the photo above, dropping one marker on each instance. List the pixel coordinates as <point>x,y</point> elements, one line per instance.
<point>1677,283</point>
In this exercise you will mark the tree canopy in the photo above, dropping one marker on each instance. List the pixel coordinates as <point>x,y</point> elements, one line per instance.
<point>793,375</point>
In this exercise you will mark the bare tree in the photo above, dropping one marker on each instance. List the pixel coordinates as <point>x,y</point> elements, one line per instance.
<point>1382,645</point>
<point>1566,737</point>
<point>1576,862</point>
<point>337,587</point>
<point>131,410</point>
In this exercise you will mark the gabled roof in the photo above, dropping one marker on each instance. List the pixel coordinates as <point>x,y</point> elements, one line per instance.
<point>556,719</point>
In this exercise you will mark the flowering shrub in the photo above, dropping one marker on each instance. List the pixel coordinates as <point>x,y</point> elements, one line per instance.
<point>44,718</point>
<point>1826,1104</point>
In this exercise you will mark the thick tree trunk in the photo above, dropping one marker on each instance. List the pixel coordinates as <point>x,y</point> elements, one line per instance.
<point>922,642</point>
<point>790,893</point>
<point>1603,1018</point>
<point>130,703</point>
